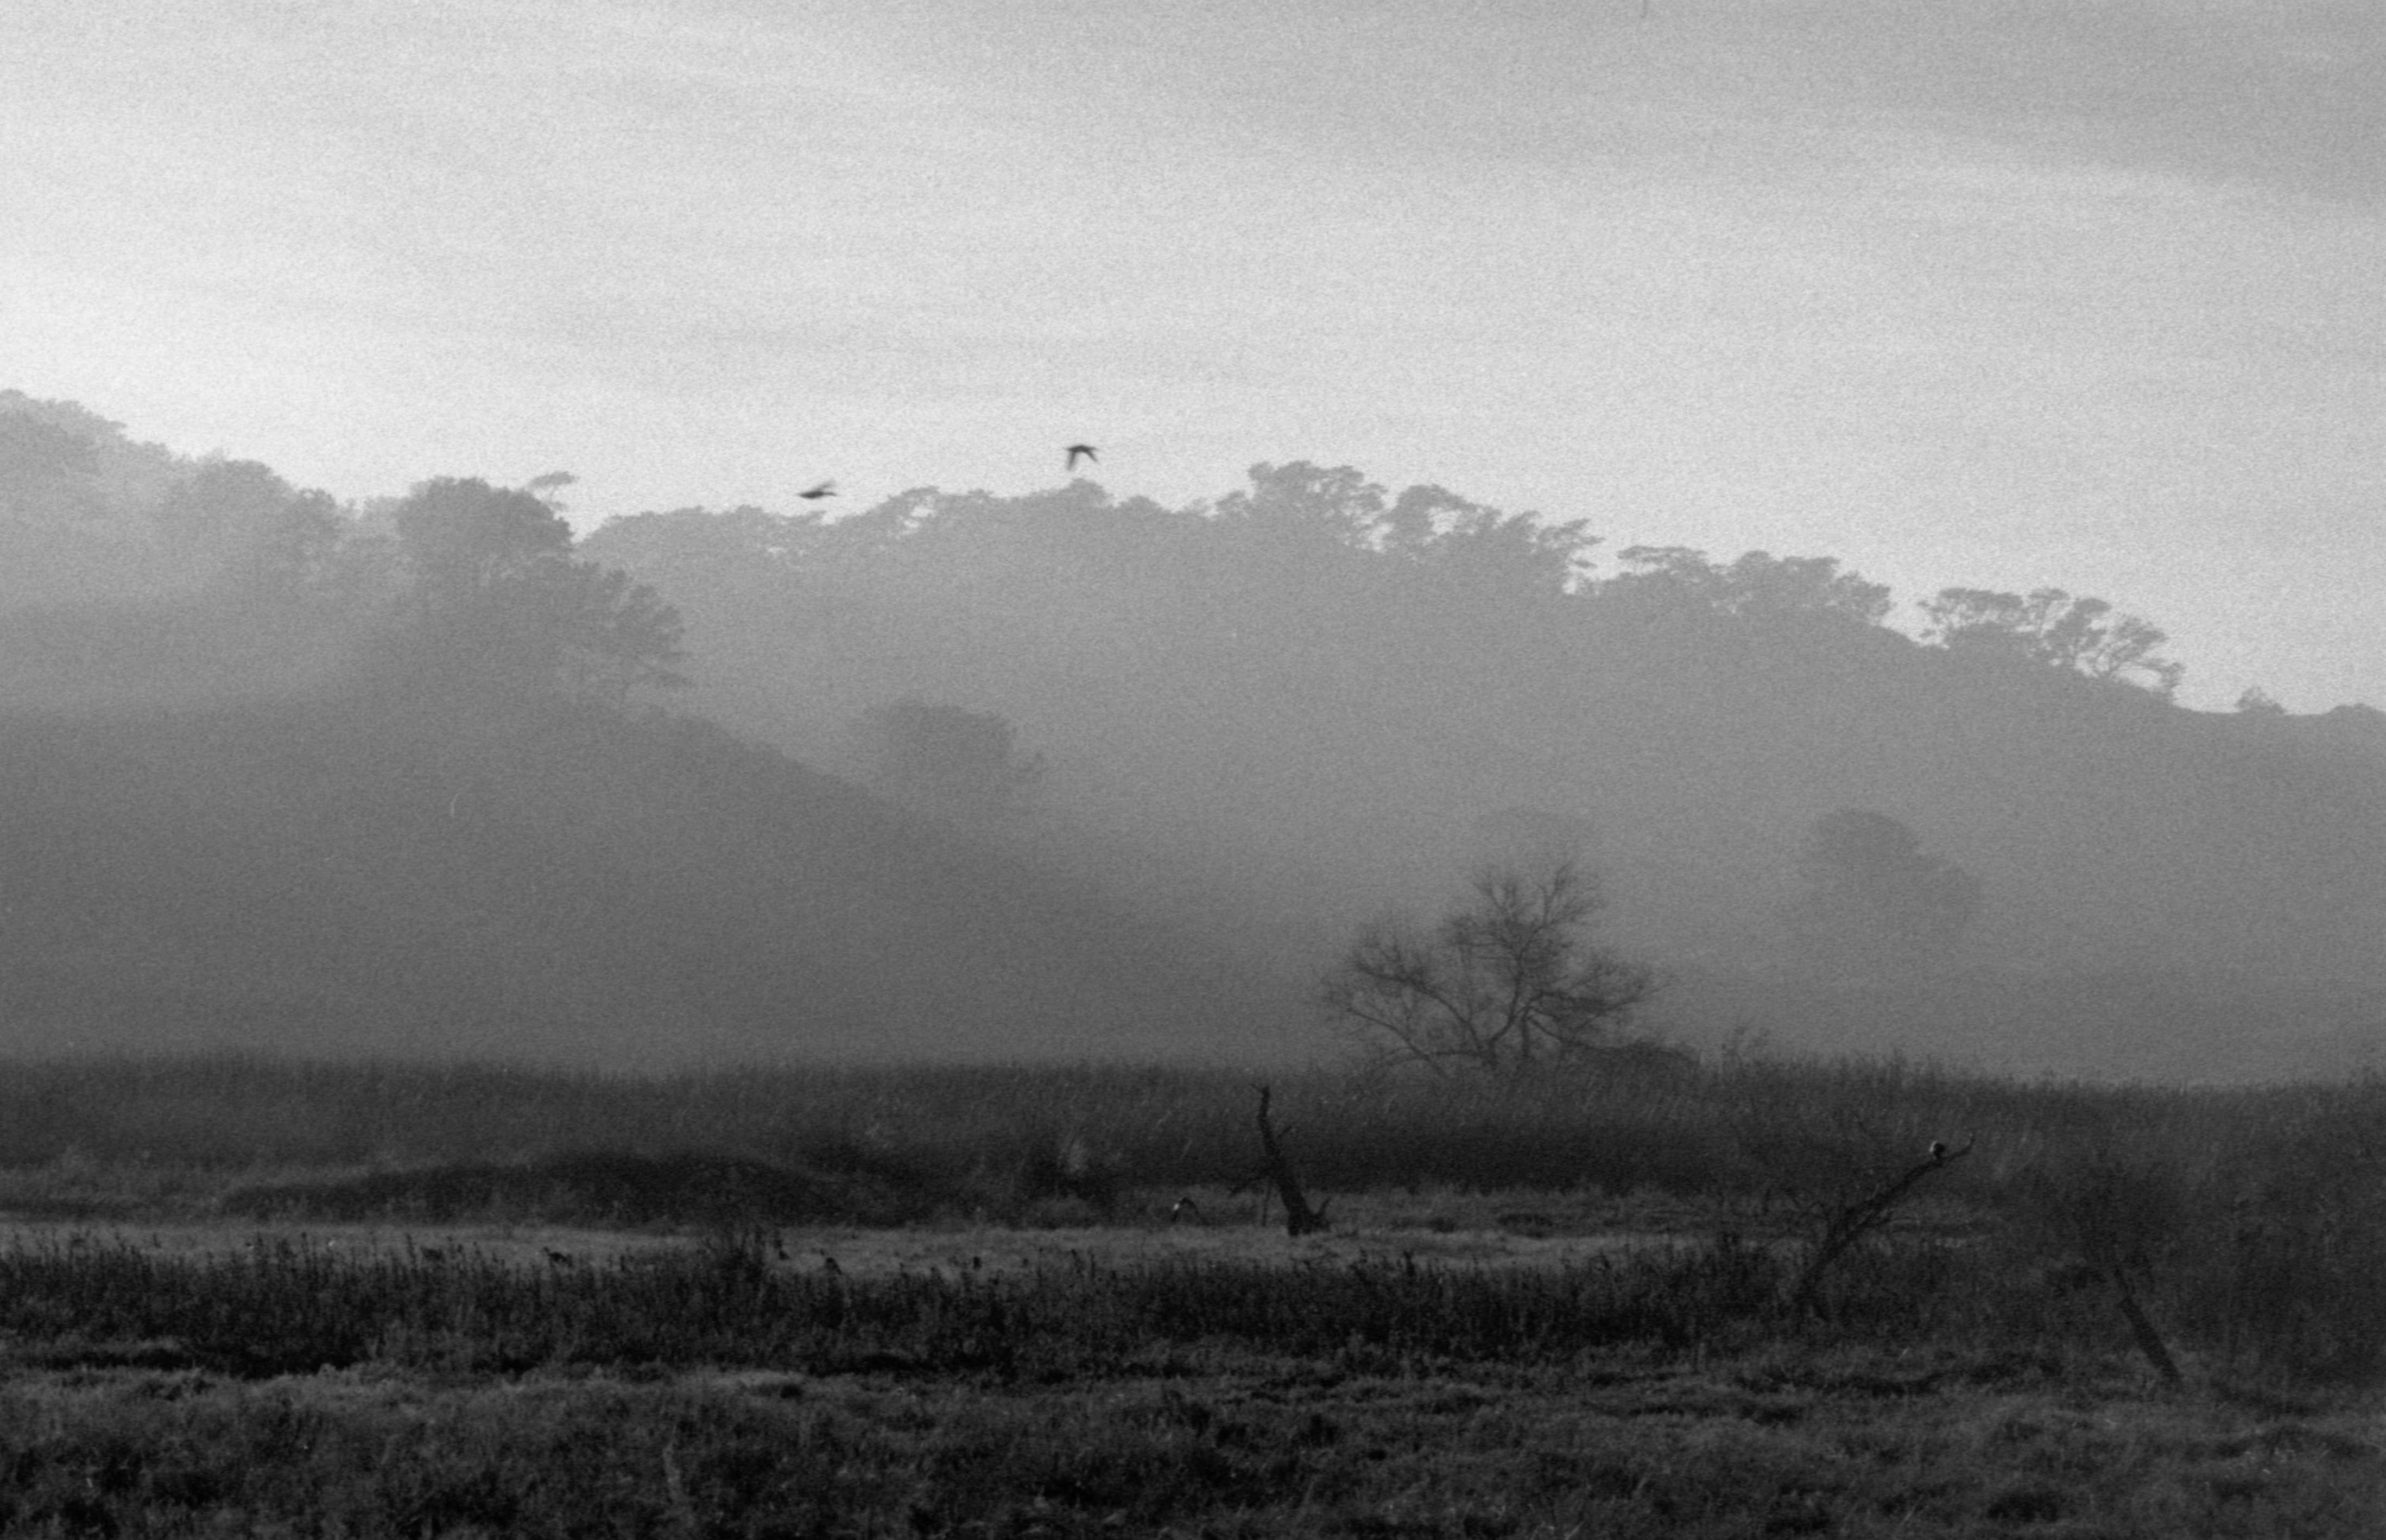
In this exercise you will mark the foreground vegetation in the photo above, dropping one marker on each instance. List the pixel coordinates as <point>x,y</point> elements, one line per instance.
<point>1968,1365</point>
<point>712,1388</point>
<point>1292,1449</point>
<point>2253,1220</point>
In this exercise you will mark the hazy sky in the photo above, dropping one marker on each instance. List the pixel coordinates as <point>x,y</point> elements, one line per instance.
<point>2081,292</point>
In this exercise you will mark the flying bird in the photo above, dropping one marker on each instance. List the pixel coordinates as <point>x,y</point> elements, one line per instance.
<point>826,488</point>
<point>1084,449</point>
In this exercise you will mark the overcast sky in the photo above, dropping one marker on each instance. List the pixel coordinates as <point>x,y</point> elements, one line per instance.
<point>2088,294</point>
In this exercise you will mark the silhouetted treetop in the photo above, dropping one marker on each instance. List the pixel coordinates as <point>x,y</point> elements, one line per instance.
<point>86,515</point>
<point>2051,627</point>
<point>1427,525</point>
<point>1298,499</point>
<point>493,595</point>
<point>1758,584</point>
<point>40,464</point>
<point>464,539</point>
<point>270,541</point>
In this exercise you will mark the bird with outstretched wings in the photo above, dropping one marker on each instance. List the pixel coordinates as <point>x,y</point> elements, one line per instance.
<point>813,494</point>
<point>1084,449</point>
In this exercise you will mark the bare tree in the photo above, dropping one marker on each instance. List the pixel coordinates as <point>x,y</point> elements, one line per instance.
<point>1506,981</point>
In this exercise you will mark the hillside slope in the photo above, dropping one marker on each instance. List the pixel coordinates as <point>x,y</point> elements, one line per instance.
<point>282,773</point>
<point>559,883</point>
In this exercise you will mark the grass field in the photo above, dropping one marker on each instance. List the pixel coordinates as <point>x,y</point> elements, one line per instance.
<point>247,1297</point>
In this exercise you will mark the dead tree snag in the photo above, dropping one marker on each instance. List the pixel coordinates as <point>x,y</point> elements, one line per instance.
<point>1850,1223</point>
<point>1299,1219</point>
<point>2150,1342</point>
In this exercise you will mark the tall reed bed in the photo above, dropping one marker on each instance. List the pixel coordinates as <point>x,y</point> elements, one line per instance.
<point>1668,1126</point>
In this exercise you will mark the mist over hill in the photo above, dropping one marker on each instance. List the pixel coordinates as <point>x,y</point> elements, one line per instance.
<point>1312,699</point>
<point>564,884</point>
<point>1063,775</point>
<point>410,792</point>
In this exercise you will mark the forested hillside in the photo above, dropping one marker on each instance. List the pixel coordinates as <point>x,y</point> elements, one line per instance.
<point>1311,700</point>
<point>966,775</point>
<point>407,789</point>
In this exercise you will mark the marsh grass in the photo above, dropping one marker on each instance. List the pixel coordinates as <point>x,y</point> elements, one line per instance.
<point>1964,1370</point>
<point>1783,1439</point>
<point>605,1187</point>
<point>2252,1222</point>
<point>1659,1124</point>
<point>730,1300</point>
<point>284,1305</point>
